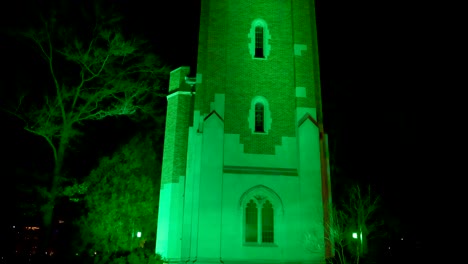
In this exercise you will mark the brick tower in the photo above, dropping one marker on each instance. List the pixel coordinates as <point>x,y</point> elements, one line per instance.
<point>244,176</point>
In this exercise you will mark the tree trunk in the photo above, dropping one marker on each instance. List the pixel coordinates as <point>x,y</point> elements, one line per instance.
<point>364,243</point>
<point>363,247</point>
<point>51,200</point>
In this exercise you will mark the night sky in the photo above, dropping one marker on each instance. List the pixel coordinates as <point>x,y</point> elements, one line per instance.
<point>369,56</point>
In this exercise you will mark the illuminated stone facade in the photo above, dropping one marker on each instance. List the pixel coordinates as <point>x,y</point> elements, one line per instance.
<point>245,169</point>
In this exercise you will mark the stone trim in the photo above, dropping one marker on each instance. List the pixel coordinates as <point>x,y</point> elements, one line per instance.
<point>215,113</point>
<point>301,92</point>
<point>260,170</point>
<point>262,190</point>
<point>179,93</point>
<point>298,48</point>
<point>307,117</point>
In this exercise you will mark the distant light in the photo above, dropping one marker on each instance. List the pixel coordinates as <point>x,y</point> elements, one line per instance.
<point>61,221</point>
<point>14,226</point>
<point>138,234</point>
<point>388,247</point>
<point>401,238</point>
<point>355,235</point>
<point>95,252</point>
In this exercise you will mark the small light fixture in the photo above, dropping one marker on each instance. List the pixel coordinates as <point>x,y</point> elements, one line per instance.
<point>138,234</point>
<point>355,235</point>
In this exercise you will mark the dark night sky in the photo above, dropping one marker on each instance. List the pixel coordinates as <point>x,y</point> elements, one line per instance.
<point>369,81</point>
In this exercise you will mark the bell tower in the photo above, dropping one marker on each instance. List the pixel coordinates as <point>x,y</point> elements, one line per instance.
<point>245,169</point>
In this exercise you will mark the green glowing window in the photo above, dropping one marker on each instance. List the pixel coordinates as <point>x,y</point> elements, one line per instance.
<point>258,36</point>
<point>259,117</point>
<point>259,42</point>
<point>259,227</point>
<point>267,222</point>
<point>251,222</point>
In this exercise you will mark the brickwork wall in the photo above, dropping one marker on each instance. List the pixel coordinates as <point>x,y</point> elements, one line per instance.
<point>304,62</point>
<point>212,51</point>
<point>177,80</point>
<point>224,30</point>
<point>177,123</point>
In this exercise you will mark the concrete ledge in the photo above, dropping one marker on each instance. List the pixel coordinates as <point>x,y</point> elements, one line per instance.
<point>260,170</point>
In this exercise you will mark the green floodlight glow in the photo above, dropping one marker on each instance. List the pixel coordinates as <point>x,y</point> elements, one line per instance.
<point>138,234</point>
<point>355,235</point>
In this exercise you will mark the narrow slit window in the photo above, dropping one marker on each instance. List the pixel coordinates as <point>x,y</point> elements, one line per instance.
<point>251,222</point>
<point>259,42</point>
<point>267,223</point>
<point>259,117</point>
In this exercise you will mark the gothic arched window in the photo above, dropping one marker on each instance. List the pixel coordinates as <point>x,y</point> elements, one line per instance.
<point>259,222</point>
<point>259,42</point>
<point>259,36</point>
<point>251,222</point>
<point>259,117</point>
<point>262,217</point>
<point>267,222</point>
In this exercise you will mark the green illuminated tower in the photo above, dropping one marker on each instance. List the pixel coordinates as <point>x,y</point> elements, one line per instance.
<point>245,170</point>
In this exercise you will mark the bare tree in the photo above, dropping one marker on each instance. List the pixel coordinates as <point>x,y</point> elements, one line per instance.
<point>361,208</point>
<point>338,233</point>
<point>92,78</point>
<point>356,218</point>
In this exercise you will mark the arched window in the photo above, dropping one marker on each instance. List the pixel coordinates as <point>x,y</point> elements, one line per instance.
<point>259,117</point>
<point>262,217</point>
<point>259,36</point>
<point>259,42</point>
<point>267,222</point>
<point>259,222</point>
<point>251,222</point>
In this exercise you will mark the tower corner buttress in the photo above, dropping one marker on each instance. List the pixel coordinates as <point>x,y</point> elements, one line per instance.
<point>179,108</point>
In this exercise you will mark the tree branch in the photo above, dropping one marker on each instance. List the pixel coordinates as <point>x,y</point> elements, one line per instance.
<point>54,150</point>
<point>78,90</point>
<point>38,42</point>
<point>51,68</point>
